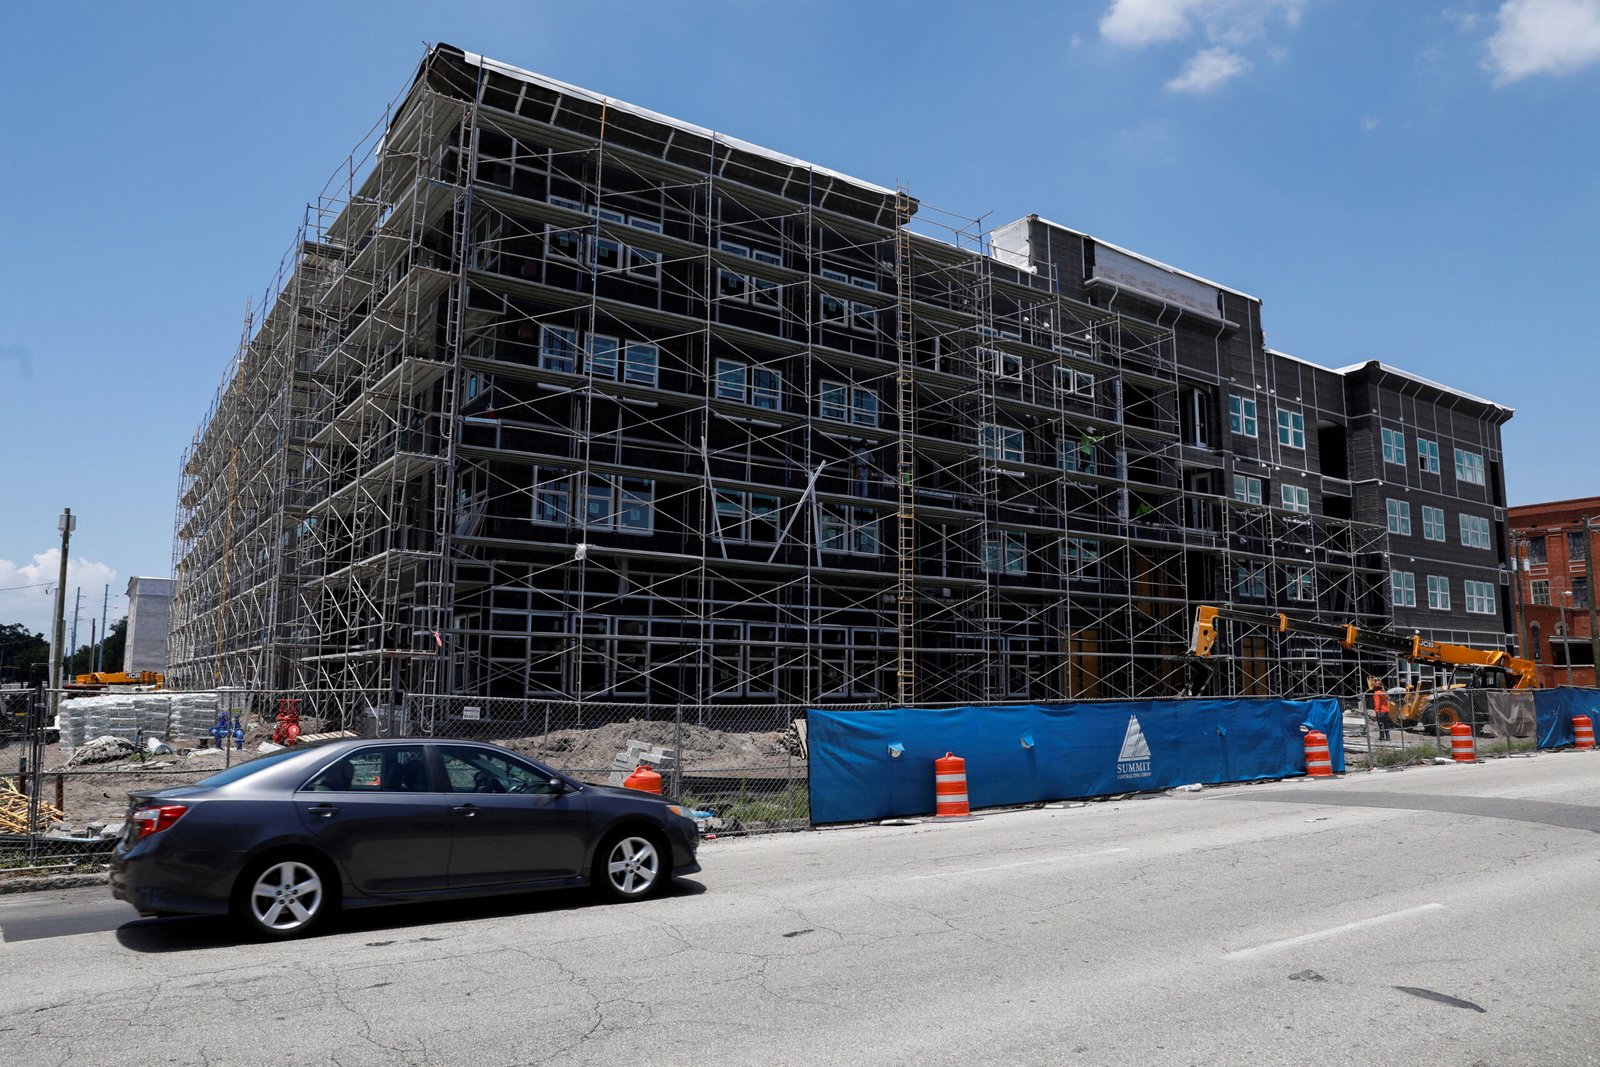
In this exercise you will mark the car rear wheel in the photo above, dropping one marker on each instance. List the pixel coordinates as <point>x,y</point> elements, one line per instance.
<point>283,898</point>
<point>630,866</point>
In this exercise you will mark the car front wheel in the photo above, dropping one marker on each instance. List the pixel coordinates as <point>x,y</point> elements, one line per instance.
<point>283,898</point>
<point>629,866</point>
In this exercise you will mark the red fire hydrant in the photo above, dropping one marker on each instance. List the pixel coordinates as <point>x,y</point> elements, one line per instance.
<point>287,729</point>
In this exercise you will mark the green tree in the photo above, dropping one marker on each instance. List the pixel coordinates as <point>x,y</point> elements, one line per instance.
<point>82,660</point>
<point>19,650</point>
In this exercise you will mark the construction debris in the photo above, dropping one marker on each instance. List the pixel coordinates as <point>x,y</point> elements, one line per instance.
<point>14,807</point>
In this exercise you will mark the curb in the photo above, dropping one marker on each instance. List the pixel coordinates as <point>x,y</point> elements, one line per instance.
<point>58,881</point>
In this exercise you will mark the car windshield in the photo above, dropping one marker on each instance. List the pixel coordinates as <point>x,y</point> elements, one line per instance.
<point>244,770</point>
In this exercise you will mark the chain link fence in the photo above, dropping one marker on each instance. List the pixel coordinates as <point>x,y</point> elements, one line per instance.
<point>1501,723</point>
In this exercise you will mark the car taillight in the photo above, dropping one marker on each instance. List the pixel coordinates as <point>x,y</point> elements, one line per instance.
<point>154,819</point>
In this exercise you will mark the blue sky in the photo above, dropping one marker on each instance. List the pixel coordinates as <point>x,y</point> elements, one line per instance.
<point>1413,182</point>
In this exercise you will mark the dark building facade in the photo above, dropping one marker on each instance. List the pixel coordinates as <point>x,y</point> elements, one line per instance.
<point>561,398</point>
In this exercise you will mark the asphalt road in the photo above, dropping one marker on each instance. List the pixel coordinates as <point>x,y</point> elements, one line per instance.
<point>1439,915</point>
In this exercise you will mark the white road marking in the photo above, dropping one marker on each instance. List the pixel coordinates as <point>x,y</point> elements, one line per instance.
<point>1008,866</point>
<point>1321,935</point>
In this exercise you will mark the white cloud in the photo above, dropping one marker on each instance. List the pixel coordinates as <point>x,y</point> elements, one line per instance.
<point>34,607</point>
<point>1208,69</point>
<point>1368,123</point>
<point>1544,37</point>
<point>1136,23</point>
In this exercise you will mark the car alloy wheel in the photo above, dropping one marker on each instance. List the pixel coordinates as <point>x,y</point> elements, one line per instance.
<point>286,898</point>
<point>632,867</point>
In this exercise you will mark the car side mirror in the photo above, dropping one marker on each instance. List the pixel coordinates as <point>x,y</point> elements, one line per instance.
<point>559,787</point>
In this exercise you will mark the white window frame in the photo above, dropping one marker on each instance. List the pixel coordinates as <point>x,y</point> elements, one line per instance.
<point>1394,447</point>
<point>1479,597</point>
<point>1469,467</point>
<point>1438,592</point>
<point>1006,553</point>
<point>724,388</point>
<point>610,366</point>
<point>1399,512</point>
<point>1432,523</point>
<point>547,359</point>
<point>1427,456</point>
<point>864,407</point>
<point>1247,489</point>
<point>1475,531</point>
<point>1083,559</point>
<point>641,363</point>
<point>1002,442</point>
<point>1299,584</point>
<point>1242,416</point>
<point>1296,498</point>
<point>766,394</point>
<point>1291,429</point>
<point>1250,581</point>
<point>833,401</point>
<point>1403,588</point>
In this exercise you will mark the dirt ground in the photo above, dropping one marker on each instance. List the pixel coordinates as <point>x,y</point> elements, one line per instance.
<point>98,793</point>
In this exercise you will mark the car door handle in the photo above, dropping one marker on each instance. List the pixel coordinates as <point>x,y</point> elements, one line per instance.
<point>324,810</point>
<point>469,810</point>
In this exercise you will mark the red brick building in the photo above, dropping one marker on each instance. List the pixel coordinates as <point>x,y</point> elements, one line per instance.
<point>1555,544</point>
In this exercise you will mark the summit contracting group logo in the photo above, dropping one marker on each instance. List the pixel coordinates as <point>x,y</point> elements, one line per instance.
<point>1134,759</point>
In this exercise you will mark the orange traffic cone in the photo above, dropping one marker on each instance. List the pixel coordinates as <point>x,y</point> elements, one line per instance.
<point>1319,764</point>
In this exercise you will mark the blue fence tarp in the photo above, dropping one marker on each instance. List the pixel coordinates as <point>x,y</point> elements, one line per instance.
<point>1026,753</point>
<point>1555,709</point>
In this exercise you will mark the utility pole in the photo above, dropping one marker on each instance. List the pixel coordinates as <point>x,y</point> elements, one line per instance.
<point>105,617</point>
<point>65,524</point>
<point>1519,613</point>
<point>77,606</point>
<point>1588,570</point>
<point>1566,630</point>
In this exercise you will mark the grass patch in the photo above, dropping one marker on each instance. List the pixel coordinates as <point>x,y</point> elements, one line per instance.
<point>790,804</point>
<point>1405,757</point>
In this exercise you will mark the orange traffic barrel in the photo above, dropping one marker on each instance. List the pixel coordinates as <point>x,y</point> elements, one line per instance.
<point>950,786</point>
<point>645,779</point>
<point>1462,747</point>
<point>1318,763</point>
<point>1582,733</point>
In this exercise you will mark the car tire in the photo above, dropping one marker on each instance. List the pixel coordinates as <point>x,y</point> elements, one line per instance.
<point>283,897</point>
<point>630,865</point>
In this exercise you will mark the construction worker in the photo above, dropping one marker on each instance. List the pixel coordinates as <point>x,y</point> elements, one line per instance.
<point>1380,707</point>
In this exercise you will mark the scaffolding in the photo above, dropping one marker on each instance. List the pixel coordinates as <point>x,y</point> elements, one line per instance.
<point>557,398</point>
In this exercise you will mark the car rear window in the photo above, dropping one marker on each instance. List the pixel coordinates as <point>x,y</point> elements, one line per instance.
<point>244,770</point>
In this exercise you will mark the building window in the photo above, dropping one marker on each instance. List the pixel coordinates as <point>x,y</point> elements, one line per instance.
<point>1007,553</point>
<point>1539,591</point>
<point>643,263</point>
<point>1291,429</point>
<point>1083,559</point>
<point>1399,517</point>
<point>641,363</point>
<point>1404,586</point>
<point>1246,490</point>
<point>558,349</point>
<point>1250,581</point>
<point>1432,523</point>
<point>1001,364</point>
<point>1577,548</point>
<point>1242,416</point>
<point>1580,592</point>
<point>847,529</point>
<point>1474,531</point>
<point>1296,498</point>
<point>1469,467</point>
<point>1075,382</point>
<point>552,496</point>
<point>1427,455</point>
<point>1438,592</point>
<point>766,388</point>
<point>612,503</point>
<point>1299,584</point>
<point>603,356</point>
<point>1536,556</point>
<point>1002,442</point>
<point>1079,454</point>
<point>1394,446</point>
<point>730,380</point>
<point>1480,598</point>
<point>835,402</point>
<point>863,406</point>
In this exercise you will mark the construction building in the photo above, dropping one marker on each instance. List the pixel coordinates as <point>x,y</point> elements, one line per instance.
<point>557,397</point>
<point>1554,545</point>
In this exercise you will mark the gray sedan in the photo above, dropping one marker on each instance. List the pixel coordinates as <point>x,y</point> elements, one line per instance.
<point>283,841</point>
